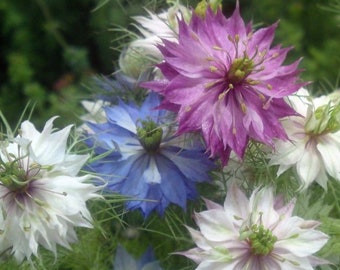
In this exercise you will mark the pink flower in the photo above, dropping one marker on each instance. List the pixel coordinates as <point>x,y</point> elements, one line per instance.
<point>225,80</point>
<point>259,233</point>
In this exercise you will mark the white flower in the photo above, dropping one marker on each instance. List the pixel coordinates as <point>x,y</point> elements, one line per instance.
<point>255,234</point>
<point>95,113</point>
<point>159,26</point>
<point>154,28</point>
<point>314,145</point>
<point>42,198</point>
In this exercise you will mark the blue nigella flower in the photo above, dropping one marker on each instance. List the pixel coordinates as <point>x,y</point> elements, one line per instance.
<point>124,261</point>
<point>147,162</point>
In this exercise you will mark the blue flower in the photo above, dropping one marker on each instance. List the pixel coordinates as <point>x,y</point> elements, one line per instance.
<point>123,261</point>
<point>147,162</point>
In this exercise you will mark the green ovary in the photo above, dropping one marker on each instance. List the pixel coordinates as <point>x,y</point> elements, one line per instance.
<point>12,175</point>
<point>239,70</point>
<point>261,240</point>
<point>150,135</point>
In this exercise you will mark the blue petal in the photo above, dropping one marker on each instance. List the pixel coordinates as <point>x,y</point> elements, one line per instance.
<point>148,261</point>
<point>153,201</point>
<point>123,260</point>
<point>194,164</point>
<point>148,110</point>
<point>173,181</point>
<point>121,116</point>
<point>112,135</point>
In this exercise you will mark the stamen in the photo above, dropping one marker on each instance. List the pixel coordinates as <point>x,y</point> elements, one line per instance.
<point>213,68</point>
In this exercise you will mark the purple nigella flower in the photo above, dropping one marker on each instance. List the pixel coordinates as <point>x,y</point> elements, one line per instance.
<point>147,163</point>
<point>225,80</point>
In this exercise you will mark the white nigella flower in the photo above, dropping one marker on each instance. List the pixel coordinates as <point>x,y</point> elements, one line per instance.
<point>42,198</point>
<point>314,145</point>
<point>153,29</point>
<point>95,113</point>
<point>255,234</point>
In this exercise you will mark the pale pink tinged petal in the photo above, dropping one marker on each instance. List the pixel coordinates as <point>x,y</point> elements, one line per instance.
<point>290,262</point>
<point>215,225</point>
<point>194,254</point>
<point>287,227</point>
<point>236,203</point>
<point>315,261</point>
<point>212,205</point>
<point>304,244</point>
<point>278,202</point>
<point>199,239</point>
<point>309,224</point>
<point>287,210</point>
<point>309,167</point>
<point>212,265</point>
<point>262,204</point>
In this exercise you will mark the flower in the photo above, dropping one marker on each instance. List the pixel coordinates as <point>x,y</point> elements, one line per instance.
<point>108,91</point>
<point>259,233</point>
<point>143,51</point>
<point>143,160</point>
<point>42,198</point>
<point>95,112</point>
<point>314,145</point>
<point>123,261</point>
<point>226,81</point>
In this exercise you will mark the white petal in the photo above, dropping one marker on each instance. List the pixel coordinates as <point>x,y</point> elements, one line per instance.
<point>300,242</point>
<point>215,225</point>
<point>330,153</point>
<point>262,207</point>
<point>151,173</point>
<point>236,203</point>
<point>309,167</point>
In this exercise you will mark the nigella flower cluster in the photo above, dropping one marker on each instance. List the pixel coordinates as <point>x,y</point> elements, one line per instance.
<point>219,84</point>
<point>147,162</point>
<point>226,81</point>
<point>42,196</point>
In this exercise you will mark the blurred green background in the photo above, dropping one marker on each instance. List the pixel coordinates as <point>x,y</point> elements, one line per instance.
<point>50,49</point>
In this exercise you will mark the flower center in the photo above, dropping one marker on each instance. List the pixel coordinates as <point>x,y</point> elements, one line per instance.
<point>261,240</point>
<point>15,177</point>
<point>239,70</point>
<point>150,135</point>
<point>325,119</point>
